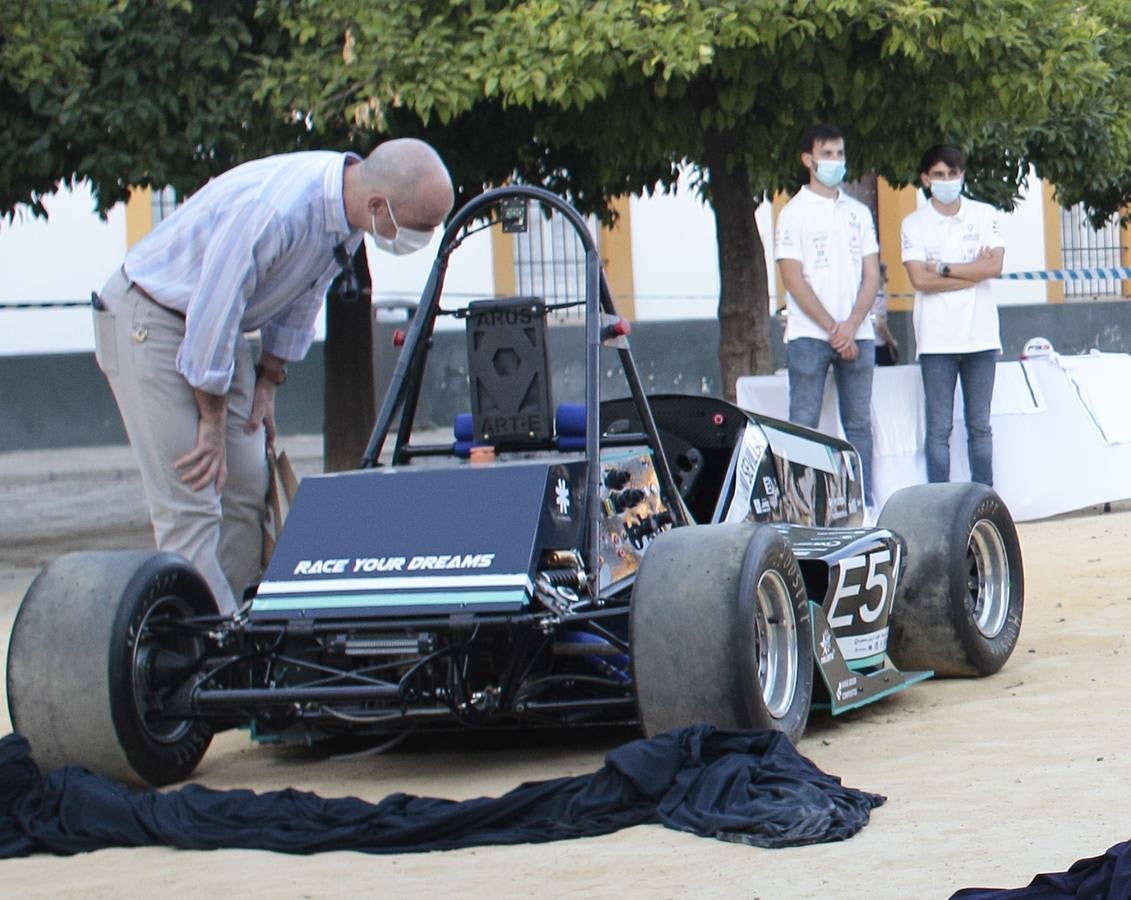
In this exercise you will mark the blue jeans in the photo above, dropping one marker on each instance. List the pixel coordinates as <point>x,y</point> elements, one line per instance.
<point>809,360</point>
<point>940,372</point>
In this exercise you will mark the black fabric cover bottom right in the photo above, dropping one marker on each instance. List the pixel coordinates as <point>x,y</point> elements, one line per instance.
<point>1106,877</point>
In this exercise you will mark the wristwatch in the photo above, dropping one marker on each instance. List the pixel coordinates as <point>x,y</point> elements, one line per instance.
<point>944,270</point>
<point>275,376</point>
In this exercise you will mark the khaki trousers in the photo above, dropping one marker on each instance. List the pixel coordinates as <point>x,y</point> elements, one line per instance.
<point>136,344</point>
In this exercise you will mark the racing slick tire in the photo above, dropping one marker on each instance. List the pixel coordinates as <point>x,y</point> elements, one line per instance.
<point>959,601</point>
<point>83,664</point>
<point>720,632</point>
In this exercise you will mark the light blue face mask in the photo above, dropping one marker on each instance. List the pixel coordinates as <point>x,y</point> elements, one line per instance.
<point>946,192</point>
<point>831,172</point>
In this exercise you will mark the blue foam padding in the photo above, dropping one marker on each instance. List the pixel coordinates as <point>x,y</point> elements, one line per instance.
<point>569,421</point>
<point>464,427</point>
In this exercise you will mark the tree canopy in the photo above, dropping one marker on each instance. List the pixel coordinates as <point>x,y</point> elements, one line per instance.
<point>130,94</point>
<point>591,99</point>
<point>172,91</point>
<point>1015,81</point>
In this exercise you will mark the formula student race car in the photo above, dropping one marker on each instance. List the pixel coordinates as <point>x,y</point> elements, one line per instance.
<point>656,560</point>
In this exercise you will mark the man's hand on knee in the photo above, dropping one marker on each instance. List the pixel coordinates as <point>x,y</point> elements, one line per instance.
<point>206,463</point>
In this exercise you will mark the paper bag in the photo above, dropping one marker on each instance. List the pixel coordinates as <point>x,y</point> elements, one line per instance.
<point>282,483</point>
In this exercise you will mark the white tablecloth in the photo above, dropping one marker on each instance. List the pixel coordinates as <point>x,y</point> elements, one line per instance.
<point>1062,430</point>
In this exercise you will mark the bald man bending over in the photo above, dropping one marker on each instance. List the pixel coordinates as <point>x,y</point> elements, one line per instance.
<point>254,249</point>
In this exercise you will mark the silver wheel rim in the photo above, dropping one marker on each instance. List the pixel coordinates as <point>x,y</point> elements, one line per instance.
<point>776,643</point>
<point>988,579</point>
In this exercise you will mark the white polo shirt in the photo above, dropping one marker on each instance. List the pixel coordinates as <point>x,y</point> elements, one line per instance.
<point>963,321</point>
<point>830,238</point>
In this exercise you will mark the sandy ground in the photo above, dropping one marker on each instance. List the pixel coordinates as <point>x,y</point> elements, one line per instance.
<point>988,782</point>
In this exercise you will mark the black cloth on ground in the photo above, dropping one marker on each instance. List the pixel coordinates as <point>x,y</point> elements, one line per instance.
<point>1106,877</point>
<point>747,786</point>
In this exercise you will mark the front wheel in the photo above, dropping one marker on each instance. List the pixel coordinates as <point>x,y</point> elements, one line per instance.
<point>720,631</point>
<point>100,645</point>
<point>960,600</point>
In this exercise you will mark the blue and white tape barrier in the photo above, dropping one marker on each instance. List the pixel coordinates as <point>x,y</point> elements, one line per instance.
<point>1100,273</point>
<point>1110,273</point>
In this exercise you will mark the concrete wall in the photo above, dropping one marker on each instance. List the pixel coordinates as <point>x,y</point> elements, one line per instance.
<point>61,399</point>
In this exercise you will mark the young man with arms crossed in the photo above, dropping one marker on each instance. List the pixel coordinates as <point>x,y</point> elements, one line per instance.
<point>952,246</point>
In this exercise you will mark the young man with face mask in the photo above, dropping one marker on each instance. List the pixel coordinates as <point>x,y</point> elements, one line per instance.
<point>826,249</point>
<point>952,247</point>
<point>255,249</point>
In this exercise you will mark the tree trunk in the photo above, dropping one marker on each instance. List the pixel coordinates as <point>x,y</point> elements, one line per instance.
<point>348,401</point>
<point>744,306</point>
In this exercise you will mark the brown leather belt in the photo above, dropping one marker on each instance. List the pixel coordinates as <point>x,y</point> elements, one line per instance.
<point>132,285</point>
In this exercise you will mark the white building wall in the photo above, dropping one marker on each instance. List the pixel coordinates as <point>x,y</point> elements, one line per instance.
<point>62,258</point>
<point>675,267</point>
<point>674,257</point>
<point>470,274</point>
<point>1024,235</point>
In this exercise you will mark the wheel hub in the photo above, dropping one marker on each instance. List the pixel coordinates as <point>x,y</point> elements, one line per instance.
<point>776,643</point>
<point>155,642</point>
<point>988,579</point>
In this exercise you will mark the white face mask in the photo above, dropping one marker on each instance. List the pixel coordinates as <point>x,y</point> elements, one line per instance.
<point>405,241</point>
<point>946,191</point>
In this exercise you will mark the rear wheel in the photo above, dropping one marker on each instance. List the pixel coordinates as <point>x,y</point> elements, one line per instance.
<point>98,649</point>
<point>960,600</point>
<point>720,631</point>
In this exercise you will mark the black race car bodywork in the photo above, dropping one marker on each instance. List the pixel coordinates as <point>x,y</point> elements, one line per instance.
<point>659,560</point>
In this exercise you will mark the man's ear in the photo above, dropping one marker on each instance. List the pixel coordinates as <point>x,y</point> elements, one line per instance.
<point>375,202</point>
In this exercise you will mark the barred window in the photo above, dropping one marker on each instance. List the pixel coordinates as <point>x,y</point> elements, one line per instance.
<point>1086,247</point>
<point>549,262</point>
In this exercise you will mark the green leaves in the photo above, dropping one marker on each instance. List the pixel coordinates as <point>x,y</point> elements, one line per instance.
<point>616,91</point>
<point>127,94</point>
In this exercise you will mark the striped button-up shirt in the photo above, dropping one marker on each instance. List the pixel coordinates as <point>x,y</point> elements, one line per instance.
<point>252,249</point>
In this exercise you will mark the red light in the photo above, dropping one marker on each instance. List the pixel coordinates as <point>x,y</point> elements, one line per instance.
<point>718,419</point>
<point>616,329</point>
<point>399,336</point>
